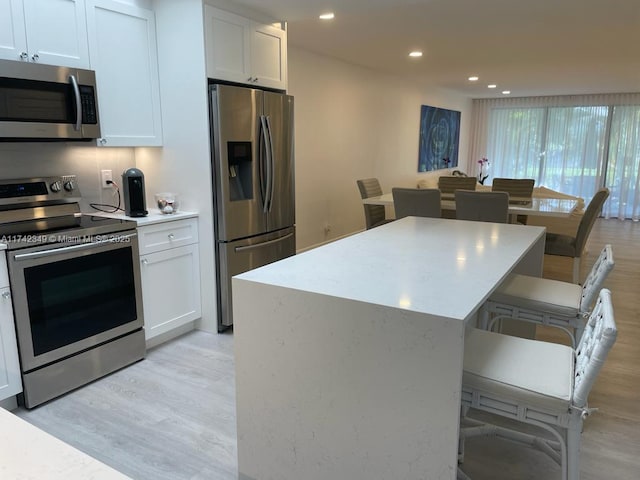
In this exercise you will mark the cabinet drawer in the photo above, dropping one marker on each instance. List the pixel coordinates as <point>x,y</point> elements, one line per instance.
<point>161,236</point>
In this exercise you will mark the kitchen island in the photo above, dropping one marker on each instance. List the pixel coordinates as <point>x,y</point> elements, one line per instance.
<point>349,356</point>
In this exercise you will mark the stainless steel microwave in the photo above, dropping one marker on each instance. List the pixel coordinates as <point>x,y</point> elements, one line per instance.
<point>47,102</point>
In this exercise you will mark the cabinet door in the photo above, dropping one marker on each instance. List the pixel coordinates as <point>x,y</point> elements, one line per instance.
<point>122,41</point>
<point>170,289</point>
<point>57,32</point>
<point>13,37</point>
<point>10,381</point>
<point>269,57</point>
<point>227,45</point>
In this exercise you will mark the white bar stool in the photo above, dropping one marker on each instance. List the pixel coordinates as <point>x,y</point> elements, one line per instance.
<point>537,383</point>
<point>548,302</point>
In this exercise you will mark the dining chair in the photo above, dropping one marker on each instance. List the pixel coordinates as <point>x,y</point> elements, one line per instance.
<point>568,246</point>
<point>482,206</point>
<point>537,383</point>
<point>374,215</point>
<point>416,202</point>
<point>448,184</point>
<point>520,191</point>
<point>544,301</point>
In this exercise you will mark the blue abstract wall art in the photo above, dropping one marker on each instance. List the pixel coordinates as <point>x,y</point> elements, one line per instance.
<point>439,137</point>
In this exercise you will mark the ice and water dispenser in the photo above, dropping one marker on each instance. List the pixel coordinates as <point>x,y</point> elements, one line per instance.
<point>240,168</point>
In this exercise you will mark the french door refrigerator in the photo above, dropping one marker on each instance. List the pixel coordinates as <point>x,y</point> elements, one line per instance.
<point>253,183</point>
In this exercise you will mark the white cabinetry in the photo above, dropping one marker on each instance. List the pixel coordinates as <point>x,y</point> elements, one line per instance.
<point>10,382</point>
<point>241,50</point>
<point>122,41</point>
<point>44,31</point>
<point>170,269</point>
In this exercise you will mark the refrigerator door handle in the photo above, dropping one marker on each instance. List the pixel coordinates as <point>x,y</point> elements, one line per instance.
<point>272,158</point>
<point>261,164</point>
<point>266,143</point>
<point>263,244</point>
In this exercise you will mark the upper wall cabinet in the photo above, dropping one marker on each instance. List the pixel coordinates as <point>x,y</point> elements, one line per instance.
<point>44,31</point>
<point>241,50</point>
<point>122,41</point>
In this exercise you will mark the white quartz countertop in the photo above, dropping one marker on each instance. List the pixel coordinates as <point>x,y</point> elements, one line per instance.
<point>154,216</point>
<point>436,266</point>
<point>29,453</point>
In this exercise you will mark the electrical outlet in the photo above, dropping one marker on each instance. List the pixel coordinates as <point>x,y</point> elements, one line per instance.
<point>104,176</point>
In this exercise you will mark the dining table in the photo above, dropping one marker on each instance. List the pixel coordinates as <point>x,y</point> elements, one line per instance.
<point>349,356</point>
<point>545,207</point>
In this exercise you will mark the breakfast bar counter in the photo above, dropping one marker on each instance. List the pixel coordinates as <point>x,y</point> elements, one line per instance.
<point>349,356</point>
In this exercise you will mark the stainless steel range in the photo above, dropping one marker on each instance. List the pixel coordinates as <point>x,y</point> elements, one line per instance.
<point>75,283</point>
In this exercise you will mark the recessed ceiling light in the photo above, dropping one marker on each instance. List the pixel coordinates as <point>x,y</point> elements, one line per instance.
<point>493,85</point>
<point>506,92</point>
<point>473,79</point>
<point>327,16</point>
<point>415,53</point>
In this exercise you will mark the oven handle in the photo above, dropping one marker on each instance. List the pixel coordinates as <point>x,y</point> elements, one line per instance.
<point>73,248</point>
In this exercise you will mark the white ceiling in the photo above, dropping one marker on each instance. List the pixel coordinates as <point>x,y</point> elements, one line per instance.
<point>531,47</point>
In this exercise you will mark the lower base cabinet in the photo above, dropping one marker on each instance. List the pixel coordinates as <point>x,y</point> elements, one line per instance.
<point>170,289</point>
<point>170,274</point>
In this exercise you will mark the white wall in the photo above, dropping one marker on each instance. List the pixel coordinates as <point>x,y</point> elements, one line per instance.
<point>351,123</point>
<point>182,166</point>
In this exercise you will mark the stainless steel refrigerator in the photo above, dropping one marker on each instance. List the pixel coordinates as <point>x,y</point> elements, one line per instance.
<point>253,183</point>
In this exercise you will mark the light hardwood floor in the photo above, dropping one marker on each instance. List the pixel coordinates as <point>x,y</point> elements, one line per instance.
<point>168,417</point>
<point>172,416</point>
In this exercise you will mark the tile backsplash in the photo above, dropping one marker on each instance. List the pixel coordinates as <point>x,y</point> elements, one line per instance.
<point>24,160</point>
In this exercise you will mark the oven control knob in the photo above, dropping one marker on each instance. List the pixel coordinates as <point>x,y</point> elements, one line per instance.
<point>56,186</point>
<point>69,186</point>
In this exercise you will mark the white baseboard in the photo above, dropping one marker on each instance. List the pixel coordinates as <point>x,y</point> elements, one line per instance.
<point>170,335</point>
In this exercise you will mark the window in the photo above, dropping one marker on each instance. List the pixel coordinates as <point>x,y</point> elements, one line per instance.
<point>575,149</point>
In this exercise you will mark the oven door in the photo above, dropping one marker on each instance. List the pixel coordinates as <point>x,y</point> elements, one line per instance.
<point>69,298</point>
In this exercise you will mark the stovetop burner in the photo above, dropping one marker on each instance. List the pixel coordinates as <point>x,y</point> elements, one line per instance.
<point>45,210</point>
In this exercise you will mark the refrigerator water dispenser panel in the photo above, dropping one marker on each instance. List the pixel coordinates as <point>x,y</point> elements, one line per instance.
<point>240,178</point>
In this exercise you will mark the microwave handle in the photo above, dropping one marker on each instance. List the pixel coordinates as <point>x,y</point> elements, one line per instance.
<point>76,92</point>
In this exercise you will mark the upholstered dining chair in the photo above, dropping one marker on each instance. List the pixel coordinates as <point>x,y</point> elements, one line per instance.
<point>544,301</point>
<point>374,215</point>
<point>482,206</point>
<point>520,190</point>
<point>416,202</point>
<point>537,383</point>
<point>568,246</point>
<point>449,184</point>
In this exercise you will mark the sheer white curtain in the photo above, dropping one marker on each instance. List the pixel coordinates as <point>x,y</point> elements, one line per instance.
<point>514,142</point>
<point>623,166</point>
<point>573,156</point>
<point>574,144</point>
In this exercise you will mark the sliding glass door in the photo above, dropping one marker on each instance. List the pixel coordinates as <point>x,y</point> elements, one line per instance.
<point>572,149</point>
